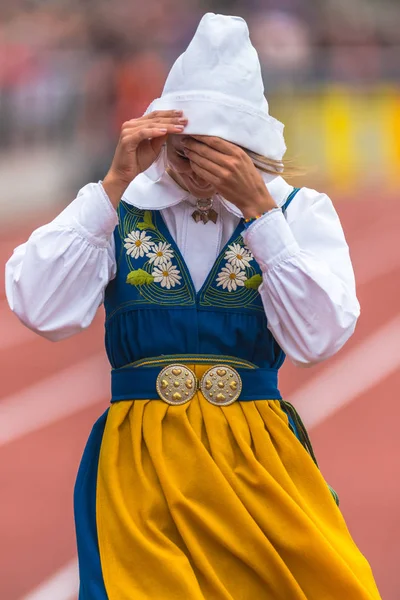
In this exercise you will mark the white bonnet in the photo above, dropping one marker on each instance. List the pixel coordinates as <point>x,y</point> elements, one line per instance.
<point>217,83</point>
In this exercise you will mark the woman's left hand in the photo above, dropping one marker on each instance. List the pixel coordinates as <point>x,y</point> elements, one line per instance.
<point>231,171</point>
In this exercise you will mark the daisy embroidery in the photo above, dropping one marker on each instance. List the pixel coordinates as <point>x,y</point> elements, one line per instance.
<point>231,277</point>
<point>238,256</point>
<point>137,243</point>
<point>161,254</point>
<point>167,275</point>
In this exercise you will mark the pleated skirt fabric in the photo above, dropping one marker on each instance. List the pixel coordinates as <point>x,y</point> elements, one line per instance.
<point>198,502</point>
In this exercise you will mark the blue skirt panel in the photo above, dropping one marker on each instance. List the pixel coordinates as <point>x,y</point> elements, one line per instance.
<point>90,573</point>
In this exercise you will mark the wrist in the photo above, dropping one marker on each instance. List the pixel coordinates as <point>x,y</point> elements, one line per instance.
<point>114,187</point>
<point>259,208</point>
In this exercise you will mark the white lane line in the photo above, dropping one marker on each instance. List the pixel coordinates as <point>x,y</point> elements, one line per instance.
<point>56,397</point>
<point>360,369</point>
<point>63,585</point>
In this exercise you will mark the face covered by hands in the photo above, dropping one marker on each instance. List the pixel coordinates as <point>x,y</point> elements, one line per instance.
<point>230,171</point>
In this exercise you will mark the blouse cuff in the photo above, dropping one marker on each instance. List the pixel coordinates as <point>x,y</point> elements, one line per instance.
<point>91,215</point>
<point>110,214</point>
<point>271,240</point>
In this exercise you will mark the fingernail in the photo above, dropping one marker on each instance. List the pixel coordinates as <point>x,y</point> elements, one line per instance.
<point>179,128</point>
<point>178,113</point>
<point>183,120</point>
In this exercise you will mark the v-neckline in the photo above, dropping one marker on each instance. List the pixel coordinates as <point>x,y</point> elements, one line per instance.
<point>162,227</point>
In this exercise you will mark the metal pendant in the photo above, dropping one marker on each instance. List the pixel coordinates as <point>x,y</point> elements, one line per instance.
<point>210,215</point>
<point>204,211</point>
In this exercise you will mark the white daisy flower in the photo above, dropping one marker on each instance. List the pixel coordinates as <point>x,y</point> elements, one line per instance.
<point>167,275</point>
<point>137,243</point>
<point>231,277</point>
<point>161,254</point>
<point>238,256</point>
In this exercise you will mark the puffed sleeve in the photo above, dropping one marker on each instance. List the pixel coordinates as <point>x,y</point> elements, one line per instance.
<point>308,288</point>
<point>55,282</point>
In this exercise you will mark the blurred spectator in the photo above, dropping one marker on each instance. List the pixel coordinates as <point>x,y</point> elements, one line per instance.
<point>284,46</point>
<point>71,72</point>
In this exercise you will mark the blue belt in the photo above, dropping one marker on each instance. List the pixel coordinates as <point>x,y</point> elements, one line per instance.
<point>139,381</point>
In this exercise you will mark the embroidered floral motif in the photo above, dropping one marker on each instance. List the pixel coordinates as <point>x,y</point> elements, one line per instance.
<point>161,254</point>
<point>237,271</point>
<point>231,277</point>
<point>147,222</point>
<point>137,244</point>
<point>156,272</point>
<point>254,282</point>
<point>238,256</point>
<point>168,275</point>
<point>139,277</point>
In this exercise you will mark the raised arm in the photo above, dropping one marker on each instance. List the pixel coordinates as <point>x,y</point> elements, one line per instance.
<point>55,282</point>
<point>308,288</point>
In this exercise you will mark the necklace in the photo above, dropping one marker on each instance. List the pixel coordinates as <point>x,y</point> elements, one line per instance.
<point>204,211</point>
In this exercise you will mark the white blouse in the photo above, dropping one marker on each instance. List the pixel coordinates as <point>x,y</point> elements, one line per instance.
<point>55,282</point>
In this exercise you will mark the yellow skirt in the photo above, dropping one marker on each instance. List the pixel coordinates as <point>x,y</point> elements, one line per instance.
<point>199,502</point>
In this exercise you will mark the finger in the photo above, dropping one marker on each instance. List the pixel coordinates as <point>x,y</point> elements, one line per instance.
<point>204,174</point>
<point>204,162</point>
<point>205,151</point>
<point>217,143</point>
<point>146,133</point>
<point>135,123</point>
<point>140,133</point>
<point>163,114</point>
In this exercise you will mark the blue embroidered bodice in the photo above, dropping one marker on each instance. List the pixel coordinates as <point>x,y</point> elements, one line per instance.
<point>152,307</point>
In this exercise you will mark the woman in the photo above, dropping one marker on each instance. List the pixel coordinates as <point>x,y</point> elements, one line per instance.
<point>200,482</point>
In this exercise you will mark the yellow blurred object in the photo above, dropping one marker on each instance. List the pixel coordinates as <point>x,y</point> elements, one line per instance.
<point>350,136</point>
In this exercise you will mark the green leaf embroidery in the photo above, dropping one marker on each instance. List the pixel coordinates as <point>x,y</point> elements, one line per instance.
<point>147,222</point>
<point>254,282</point>
<point>139,277</point>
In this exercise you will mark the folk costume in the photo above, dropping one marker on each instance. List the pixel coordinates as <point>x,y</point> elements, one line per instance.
<point>199,481</point>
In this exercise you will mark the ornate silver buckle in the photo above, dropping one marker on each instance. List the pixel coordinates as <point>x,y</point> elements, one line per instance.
<point>221,385</point>
<point>176,384</point>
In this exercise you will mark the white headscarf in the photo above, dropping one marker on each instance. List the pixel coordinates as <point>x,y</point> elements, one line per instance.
<point>217,83</point>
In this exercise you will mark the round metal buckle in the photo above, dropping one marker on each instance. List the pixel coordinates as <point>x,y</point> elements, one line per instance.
<point>176,384</point>
<point>221,385</point>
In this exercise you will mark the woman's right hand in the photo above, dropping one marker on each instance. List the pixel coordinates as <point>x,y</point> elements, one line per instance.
<point>139,145</point>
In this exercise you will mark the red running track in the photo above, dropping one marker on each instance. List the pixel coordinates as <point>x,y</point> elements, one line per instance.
<point>358,445</point>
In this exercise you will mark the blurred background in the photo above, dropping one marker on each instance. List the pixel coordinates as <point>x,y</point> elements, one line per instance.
<point>70,74</point>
